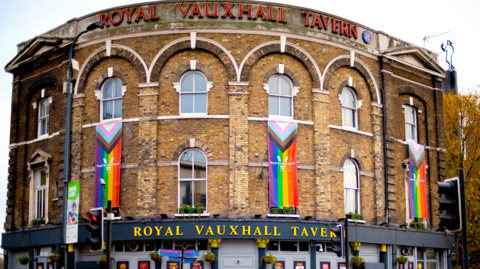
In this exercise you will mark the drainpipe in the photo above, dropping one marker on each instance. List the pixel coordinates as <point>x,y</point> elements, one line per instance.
<point>385,169</point>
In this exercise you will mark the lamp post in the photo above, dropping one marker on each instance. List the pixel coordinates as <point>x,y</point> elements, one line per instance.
<point>66,161</point>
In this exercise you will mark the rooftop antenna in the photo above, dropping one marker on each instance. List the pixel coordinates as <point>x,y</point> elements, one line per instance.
<point>428,37</point>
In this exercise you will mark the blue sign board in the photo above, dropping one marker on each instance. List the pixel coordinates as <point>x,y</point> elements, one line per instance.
<point>174,259</point>
<point>191,260</point>
<point>170,252</point>
<point>191,253</point>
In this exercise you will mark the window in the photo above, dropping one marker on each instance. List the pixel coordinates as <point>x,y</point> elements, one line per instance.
<point>410,123</point>
<point>349,108</point>
<point>43,114</point>
<point>350,177</point>
<point>193,93</point>
<point>40,191</point>
<point>111,107</point>
<point>288,246</point>
<point>193,179</point>
<point>280,96</point>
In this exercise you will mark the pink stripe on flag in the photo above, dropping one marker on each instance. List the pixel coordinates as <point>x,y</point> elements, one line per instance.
<point>108,133</point>
<point>282,131</point>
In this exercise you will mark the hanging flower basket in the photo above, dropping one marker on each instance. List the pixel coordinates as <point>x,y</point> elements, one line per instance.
<point>103,259</point>
<point>268,259</point>
<point>155,256</point>
<point>23,260</point>
<point>54,257</point>
<point>357,261</point>
<point>209,257</point>
<point>402,260</point>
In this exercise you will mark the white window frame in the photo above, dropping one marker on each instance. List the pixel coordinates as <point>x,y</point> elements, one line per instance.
<point>40,118</point>
<point>110,99</point>
<point>37,178</point>
<point>354,109</point>
<point>279,95</point>
<point>357,173</point>
<point>407,109</point>
<point>193,93</point>
<point>194,179</point>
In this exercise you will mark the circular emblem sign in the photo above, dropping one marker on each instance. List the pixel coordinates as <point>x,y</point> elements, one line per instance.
<point>367,36</point>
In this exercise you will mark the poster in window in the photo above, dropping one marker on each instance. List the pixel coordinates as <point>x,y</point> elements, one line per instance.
<point>122,265</point>
<point>40,265</point>
<point>420,265</point>
<point>143,264</point>
<point>410,265</point>
<point>299,265</point>
<point>342,265</point>
<point>172,265</point>
<point>73,200</point>
<point>108,154</point>
<point>197,265</point>
<point>50,265</point>
<point>324,265</point>
<point>279,265</point>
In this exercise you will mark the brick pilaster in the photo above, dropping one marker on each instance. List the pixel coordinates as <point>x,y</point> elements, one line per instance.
<point>78,108</point>
<point>238,149</point>
<point>379,165</point>
<point>147,155</point>
<point>321,144</point>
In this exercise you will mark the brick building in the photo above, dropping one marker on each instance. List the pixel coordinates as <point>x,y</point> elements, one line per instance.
<point>194,85</point>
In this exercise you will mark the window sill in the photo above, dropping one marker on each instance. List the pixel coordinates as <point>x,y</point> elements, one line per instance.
<point>192,215</point>
<point>348,129</point>
<point>357,221</point>
<point>282,216</point>
<point>54,199</point>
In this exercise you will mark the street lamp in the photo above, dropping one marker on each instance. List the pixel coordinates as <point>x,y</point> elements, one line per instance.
<point>66,160</point>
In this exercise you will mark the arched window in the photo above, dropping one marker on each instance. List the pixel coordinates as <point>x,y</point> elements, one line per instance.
<point>111,107</point>
<point>280,100</point>
<point>192,183</point>
<point>351,185</point>
<point>349,108</point>
<point>193,93</point>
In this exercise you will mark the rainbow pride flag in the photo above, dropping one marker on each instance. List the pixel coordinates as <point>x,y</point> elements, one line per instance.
<point>108,154</point>
<point>282,163</point>
<point>417,185</point>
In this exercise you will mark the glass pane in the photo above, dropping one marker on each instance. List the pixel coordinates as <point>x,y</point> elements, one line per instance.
<point>200,194</point>
<point>118,246</point>
<point>350,200</point>
<point>107,110</point>
<point>43,178</point>
<point>186,165</point>
<point>107,89</point>
<point>45,126</point>
<point>191,244</point>
<point>200,165</point>
<point>419,253</point>
<point>410,115</point>
<point>348,99</point>
<point>167,244</point>
<point>118,108</point>
<point>273,245</point>
<point>133,246</point>
<point>149,245</point>
<point>273,105</point>
<point>431,265</point>
<point>430,254</point>
<point>200,83</point>
<point>187,83</point>
<point>285,87</point>
<point>409,132</point>
<point>285,106</point>
<point>187,103</point>
<point>303,246</point>
<point>288,246</point>
<point>185,193</point>
<point>201,103</point>
<point>44,107</point>
<point>350,174</point>
<point>348,117</point>
<point>273,85</point>
<point>202,244</point>
<point>117,88</point>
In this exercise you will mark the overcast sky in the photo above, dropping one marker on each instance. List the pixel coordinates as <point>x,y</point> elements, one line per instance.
<point>409,20</point>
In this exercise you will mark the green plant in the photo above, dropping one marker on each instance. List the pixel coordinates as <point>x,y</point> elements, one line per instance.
<point>401,260</point>
<point>22,260</point>
<point>209,257</point>
<point>155,256</point>
<point>186,209</point>
<point>37,222</point>
<point>357,261</point>
<point>269,259</point>
<point>54,257</point>
<point>418,225</point>
<point>103,259</point>
<point>355,216</point>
